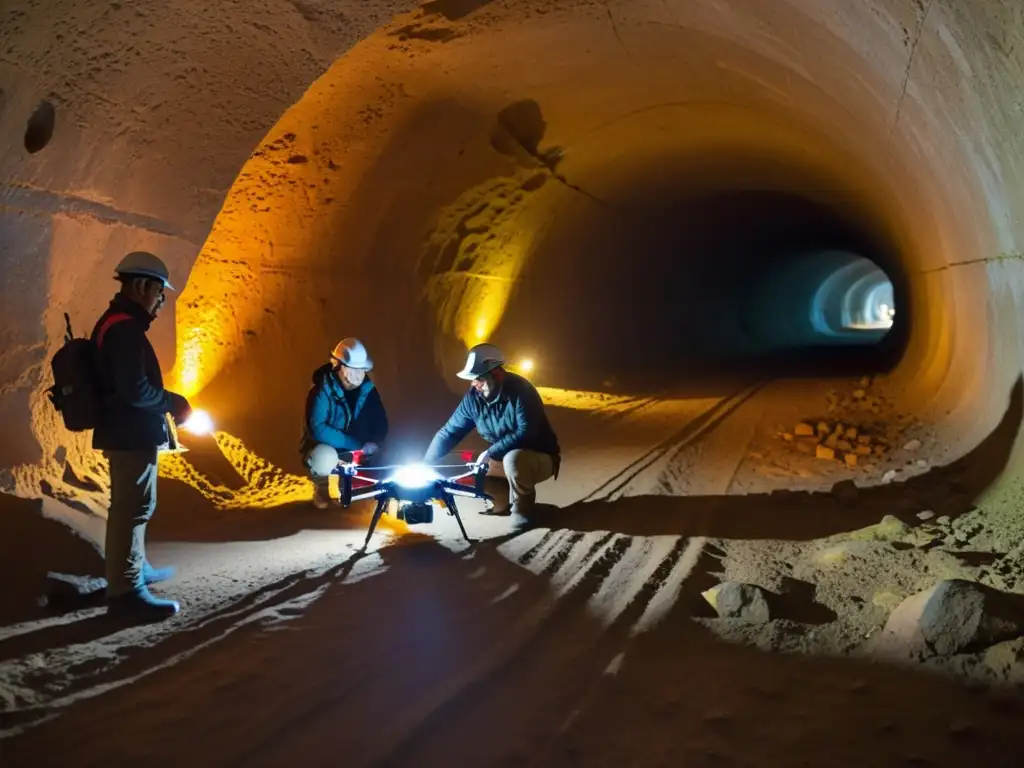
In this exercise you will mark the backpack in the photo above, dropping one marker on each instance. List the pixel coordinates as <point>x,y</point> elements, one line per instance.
<point>76,392</point>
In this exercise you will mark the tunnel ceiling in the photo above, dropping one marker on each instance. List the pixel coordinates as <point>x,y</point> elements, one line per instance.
<point>896,110</point>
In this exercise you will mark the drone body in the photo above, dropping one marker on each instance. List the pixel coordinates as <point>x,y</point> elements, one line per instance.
<point>414,487</point>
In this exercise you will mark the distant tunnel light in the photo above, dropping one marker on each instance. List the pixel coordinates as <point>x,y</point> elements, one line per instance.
<point>526,366</point>
<point>857,297</point>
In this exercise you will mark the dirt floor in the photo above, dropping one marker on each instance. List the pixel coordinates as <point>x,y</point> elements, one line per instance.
<point>582,638</point>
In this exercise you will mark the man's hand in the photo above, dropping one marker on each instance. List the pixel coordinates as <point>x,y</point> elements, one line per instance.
<point>483,459</point>
<point>179,408</point>
<point>370,448</point>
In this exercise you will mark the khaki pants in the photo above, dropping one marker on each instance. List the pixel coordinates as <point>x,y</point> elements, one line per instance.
<point>132,503</point>
<point>524,470</point>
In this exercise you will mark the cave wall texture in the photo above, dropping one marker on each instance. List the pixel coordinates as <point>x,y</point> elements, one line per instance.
<point>323,168</point>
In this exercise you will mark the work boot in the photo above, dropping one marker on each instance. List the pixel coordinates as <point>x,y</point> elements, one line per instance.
<point>321,495</point>
<point>140,604</point>
<point>497,511</point>
<point>523,506</point>
<point>151,575</point>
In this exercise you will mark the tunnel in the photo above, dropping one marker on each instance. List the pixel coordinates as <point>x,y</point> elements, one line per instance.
<point>663,199</point>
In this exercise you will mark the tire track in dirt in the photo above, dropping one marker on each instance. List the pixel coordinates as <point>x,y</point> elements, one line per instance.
<point>654,460</point>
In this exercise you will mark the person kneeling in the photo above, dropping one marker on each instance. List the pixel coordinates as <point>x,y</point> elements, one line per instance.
<point>344,412</point>
<point>508,413</point>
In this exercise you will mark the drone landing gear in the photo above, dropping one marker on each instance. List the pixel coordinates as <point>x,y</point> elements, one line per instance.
<point>382,505</point>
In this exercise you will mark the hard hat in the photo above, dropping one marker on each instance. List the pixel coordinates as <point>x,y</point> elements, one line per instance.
<point>144,264</point>
<point>352,354</point>
<point>481,359</point>
<point>323,460</point>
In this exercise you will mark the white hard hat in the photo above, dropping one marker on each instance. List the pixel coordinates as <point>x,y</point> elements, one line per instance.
<point>481,359</point>
<point>352,354</point>
<point>323,459</point>
<point>144,264</point>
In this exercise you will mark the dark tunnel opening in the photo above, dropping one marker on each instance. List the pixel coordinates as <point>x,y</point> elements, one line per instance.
<point>761,284</point>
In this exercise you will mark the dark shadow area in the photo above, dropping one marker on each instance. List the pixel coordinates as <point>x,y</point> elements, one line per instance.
<point>40,127</point>
<point>802,516</point>
<point>453,690</point>
<point>518,133</point>
<point>453,10</point>
<point>32,547</point>
<point>797,601</point>
<point>624,299</point>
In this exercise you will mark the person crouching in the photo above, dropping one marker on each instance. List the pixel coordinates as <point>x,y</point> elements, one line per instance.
<point>344,412</point>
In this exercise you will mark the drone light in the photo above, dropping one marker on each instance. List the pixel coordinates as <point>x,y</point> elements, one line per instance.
<point>415,476</point>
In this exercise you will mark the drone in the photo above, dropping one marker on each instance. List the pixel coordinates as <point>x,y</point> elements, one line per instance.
<point>414,487</point>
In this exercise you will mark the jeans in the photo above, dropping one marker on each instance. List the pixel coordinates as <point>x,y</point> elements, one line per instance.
<point>132,503</point>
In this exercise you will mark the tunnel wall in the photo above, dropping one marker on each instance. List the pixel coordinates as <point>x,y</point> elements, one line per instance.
<point>357,207</point>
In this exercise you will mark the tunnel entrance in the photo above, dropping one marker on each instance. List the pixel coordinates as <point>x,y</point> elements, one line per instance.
<point>758,283</point>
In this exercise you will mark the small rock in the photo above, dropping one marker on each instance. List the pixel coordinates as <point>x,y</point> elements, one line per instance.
<point>865,381</point>
<point>845,490</point>
<point>913,445</point>
<point>863,450</point>
<point>889,476</point>
<point>925,515</point>
<point>864,439</point>
<point>851,433</point>
<point>803,430</point>
<point>858,394</point>
<point>804,447</point>
<point>824,452</point>
<point>787,436</point>
<point>887,600</point>
<point>922,463</point>
<point>824,428</point>
<point>889,529</point>
<point>943,520</point>
<point>832,441</point>
<point>850,459</point>
<point>735,600</point>
<point>879,450</point>
<point>844,445</point>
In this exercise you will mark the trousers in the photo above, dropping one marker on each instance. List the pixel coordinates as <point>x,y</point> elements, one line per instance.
<point>132,503</point>
<point>524,470</point>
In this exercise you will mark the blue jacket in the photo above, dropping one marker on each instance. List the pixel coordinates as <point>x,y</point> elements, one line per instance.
<point>134,414</point>
<point>515,419</point>
<point>344,420</point>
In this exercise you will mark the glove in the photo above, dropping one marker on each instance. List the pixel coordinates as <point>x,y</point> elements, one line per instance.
<point>483,459</point>
<point>370,448</point>
<point>179,408</point>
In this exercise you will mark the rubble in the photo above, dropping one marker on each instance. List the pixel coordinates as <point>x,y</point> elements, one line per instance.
<point>848,438</point>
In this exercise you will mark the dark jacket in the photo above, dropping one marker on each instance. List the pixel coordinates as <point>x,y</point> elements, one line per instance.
<point>344,420</point>
<point>135,401</point>
<point>515,419</point>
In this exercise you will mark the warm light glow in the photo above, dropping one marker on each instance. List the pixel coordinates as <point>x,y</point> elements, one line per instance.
<point>415,476</point>
<point>526,366</point>
<point>199,423</point>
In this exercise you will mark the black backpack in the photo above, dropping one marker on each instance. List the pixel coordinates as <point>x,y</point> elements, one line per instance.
<point>76,392</point>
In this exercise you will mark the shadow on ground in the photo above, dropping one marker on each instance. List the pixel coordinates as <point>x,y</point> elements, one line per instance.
<point>444,657</point>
